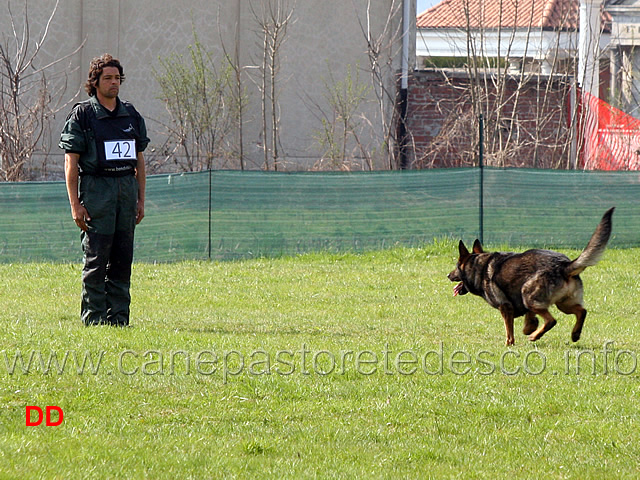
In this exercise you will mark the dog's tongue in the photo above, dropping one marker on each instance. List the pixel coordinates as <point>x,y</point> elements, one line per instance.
<point>457,289</point>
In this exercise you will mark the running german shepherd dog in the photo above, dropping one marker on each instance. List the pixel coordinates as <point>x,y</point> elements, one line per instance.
<point>529,283</point>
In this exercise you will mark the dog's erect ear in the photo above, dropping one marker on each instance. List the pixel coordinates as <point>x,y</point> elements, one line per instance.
<point>477,247</point>
<point>464,253</point>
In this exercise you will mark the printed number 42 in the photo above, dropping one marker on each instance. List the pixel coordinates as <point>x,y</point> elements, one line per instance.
<point>120,150</point>
<point>117,150</point>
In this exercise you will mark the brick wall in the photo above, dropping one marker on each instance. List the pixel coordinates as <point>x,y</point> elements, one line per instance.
<point>526,126</point>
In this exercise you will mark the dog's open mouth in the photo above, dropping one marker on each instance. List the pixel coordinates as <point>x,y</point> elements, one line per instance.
<point>459,289</point>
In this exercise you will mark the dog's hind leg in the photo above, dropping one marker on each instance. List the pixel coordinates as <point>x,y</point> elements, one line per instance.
<point>530,323</point>
<point>577,329</point>
<point>507,314</point>
<point>581,313</point>
<point>549,323</point>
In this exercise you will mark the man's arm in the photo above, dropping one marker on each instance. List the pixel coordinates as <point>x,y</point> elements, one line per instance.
<point>78,212</point>
<point>141,176</point>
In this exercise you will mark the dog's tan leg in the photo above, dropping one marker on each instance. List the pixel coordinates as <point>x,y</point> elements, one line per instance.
<point>549,323</point>
<point>530,323</point>
<point>507,314</point>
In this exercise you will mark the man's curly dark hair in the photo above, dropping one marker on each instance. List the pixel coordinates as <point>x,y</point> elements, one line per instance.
<point>96,68</point>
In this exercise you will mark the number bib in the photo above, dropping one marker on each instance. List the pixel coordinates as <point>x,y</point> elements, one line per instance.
<point>118,150</point>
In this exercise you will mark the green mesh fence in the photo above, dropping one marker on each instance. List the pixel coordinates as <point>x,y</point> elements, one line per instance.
<point>229,215</point>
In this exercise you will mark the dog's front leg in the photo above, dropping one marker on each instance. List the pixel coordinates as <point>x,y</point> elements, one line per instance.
<point>507,314</point>
<point>530,323</point>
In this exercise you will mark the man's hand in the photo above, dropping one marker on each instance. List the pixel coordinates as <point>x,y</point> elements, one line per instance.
<point>78,212</point>
<point>80,216</point>
<point>140,212</point>
<point>141,177</point>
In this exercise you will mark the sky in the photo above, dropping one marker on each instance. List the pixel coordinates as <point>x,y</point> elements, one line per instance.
<point>424,4</point>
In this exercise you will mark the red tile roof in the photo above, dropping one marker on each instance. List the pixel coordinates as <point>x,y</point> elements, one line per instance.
<point>539,14</point>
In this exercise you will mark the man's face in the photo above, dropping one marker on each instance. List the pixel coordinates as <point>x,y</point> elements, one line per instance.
<point>109,83</point>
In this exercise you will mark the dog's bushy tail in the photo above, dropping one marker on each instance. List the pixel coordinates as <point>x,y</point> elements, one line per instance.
<point>595,248</point>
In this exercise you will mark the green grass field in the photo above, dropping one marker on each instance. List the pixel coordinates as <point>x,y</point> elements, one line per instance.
<point>318,366</point>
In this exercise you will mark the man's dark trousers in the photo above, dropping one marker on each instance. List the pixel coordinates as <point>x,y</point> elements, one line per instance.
<point>108,248</point>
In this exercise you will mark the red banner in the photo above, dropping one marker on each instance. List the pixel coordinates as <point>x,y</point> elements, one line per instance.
<point>610,137</point>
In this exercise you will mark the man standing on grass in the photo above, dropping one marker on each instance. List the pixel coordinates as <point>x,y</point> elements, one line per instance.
<point>103,140</point>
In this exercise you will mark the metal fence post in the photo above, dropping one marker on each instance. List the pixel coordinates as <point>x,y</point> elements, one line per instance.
<point>481,165</point>
<point>210,226</point>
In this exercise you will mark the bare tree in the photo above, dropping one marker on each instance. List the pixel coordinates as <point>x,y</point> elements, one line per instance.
<point>339,138</point>
<point>198,98</point>
<point>381,51</point>
<point>273,20</point>
<point>238,93</point>
<point>27,92</point>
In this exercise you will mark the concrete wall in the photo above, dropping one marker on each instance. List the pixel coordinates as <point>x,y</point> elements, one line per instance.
<point>323,39</point>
